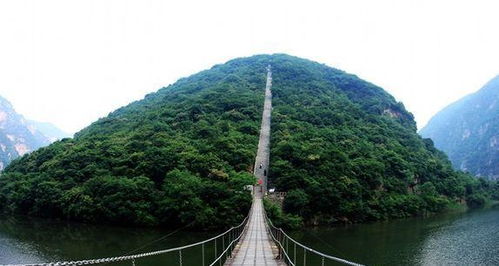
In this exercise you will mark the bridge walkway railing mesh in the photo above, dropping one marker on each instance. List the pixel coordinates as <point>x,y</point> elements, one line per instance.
<point>294,253</point>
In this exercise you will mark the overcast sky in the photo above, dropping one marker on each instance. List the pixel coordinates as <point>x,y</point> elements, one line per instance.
<point>71,62</point>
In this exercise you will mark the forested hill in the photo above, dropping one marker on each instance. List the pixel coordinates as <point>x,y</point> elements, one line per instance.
<point>343,148</point>
<point>468,131</point>
<point>346,151</point>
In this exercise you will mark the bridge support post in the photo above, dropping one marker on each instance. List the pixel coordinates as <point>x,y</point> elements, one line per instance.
<point>230,244</point>
<point>279,238</point>
<point>180,257</point>
<point>304,257</point>
<point>202,252</point>
<point>287,248</point>
<point>294,255</point>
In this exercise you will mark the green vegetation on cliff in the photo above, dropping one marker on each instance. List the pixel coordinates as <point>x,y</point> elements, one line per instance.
<point>345,150</point>
<point>342,148</point>
<point>468,131</point>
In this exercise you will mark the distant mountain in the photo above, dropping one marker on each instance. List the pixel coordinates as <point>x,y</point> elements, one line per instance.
<point>49,130</point>
<point>19,136</point>
<point>468,131</point>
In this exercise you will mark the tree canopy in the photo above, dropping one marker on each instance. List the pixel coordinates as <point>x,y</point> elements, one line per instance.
<point>342,148</point>
<point>180,156</point>
<point>346,151</point>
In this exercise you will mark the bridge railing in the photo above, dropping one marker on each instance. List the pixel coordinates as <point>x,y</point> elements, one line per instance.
<point>221,245</point>
<point>294,253</point>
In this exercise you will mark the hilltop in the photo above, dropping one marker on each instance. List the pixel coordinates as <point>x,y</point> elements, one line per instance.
<point>342,148</point>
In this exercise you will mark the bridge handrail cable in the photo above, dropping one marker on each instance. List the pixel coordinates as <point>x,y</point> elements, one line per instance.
<point>282,240</point>
<point>239,230</point>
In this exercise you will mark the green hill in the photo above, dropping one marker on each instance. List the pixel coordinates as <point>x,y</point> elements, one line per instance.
<point>343,148</point>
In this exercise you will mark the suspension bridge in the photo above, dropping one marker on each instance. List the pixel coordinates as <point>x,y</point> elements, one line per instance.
<point>255,241</point>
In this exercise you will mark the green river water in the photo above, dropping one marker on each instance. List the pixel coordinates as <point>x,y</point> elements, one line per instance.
<point>465,238</point>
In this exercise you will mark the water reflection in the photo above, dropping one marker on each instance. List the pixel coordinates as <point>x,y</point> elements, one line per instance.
<point>25,240</point>
<point>470,238</point>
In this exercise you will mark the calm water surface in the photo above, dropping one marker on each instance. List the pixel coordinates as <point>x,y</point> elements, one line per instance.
<point>470,238</point>
<point>38,240</point>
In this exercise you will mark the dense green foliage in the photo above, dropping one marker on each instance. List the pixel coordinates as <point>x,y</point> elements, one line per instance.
<point>281,219</point>
<point>345,150</point>
<point>468,131</point>
<point>342,148</point>
<point>180,156</point>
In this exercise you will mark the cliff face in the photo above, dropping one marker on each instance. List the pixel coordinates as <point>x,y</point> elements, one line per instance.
<point>468,131</point>
<point>17,135</point>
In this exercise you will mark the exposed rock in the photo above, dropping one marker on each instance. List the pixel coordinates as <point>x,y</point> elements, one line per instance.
<point>17,135</point>
<point>391,113</point>
<point>468,131</point>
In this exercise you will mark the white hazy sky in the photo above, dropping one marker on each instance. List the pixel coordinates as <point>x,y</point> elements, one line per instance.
<point>71,62</point>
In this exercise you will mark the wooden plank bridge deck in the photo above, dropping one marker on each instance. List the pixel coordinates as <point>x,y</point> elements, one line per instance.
<point>256,247</point>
